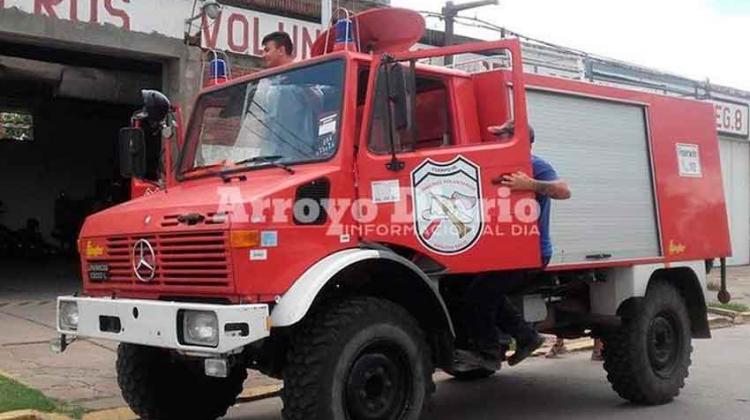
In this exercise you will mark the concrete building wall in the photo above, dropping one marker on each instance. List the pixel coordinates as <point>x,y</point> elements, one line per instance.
<point>181,63</point>
<point>306,9</point>
<point>156,31</point>
<point>735,165</point>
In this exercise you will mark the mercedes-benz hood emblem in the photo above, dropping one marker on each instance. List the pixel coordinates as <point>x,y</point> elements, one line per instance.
<point>144,260</point>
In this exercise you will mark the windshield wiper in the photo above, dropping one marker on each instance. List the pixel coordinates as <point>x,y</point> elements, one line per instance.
<point>212,169</point>
<point>256,159</point>
<point>270,160</point>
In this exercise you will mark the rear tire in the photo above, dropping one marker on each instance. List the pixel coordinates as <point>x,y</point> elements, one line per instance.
<point>160,386</point>
<point>648,358</point>
<point>357,359</point>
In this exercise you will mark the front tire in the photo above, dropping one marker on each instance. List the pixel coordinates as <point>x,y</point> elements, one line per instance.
<point>158,385</point>
<point>647,359</point>
<point>357,359</point>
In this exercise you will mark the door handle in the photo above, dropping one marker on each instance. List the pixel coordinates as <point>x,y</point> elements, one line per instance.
<point>600,256</point>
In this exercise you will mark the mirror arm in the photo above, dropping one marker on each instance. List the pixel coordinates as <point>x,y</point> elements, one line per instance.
<point>412,92</point>
<point>168,143</point>
<point>395,164</point>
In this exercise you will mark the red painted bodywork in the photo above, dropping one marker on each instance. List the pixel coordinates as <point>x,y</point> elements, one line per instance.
<point>691,211</point>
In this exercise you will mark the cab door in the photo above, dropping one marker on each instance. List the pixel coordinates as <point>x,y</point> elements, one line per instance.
<point>426,181</point>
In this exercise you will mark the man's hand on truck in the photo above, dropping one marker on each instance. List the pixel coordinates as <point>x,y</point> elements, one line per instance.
<point>519,181</point>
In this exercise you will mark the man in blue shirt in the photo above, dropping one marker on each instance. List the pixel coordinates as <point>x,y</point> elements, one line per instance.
<point>544,182</point>
<point>490,306</point>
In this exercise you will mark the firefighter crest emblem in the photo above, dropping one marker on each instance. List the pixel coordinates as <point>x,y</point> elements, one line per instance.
<point>447,205</point>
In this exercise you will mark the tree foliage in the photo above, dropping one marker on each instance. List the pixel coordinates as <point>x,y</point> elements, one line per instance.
<point>17,126</point>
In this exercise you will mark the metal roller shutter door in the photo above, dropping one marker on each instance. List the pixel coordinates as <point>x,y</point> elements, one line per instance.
<point>735,171</point>
<point>601,149</point>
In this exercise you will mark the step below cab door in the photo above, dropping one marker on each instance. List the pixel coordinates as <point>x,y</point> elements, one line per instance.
<point>428,185</point>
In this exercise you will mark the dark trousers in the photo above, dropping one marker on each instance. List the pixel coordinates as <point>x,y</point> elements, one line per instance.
<point>489,309</point>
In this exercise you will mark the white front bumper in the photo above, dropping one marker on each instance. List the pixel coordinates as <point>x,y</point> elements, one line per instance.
<point>156,323</point>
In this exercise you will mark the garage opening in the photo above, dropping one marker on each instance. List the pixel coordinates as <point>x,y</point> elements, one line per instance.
<point>60,113</point>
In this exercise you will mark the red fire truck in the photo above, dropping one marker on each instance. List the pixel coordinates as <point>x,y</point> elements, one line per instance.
<point>322,220</point>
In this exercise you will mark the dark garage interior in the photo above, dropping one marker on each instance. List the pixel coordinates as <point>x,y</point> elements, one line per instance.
<point>60,113</point>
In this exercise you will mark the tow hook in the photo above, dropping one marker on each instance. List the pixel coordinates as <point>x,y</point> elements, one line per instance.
<point>59,344</point>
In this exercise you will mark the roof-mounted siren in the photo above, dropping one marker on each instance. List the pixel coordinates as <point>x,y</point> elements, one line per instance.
<point>373,31</point>
<point>219,70</point>
<point>345,29</point>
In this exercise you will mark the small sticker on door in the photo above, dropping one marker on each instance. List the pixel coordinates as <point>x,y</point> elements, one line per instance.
<point>269,238</point>
<point>327,125</point>
<point>258,254</point>
<point>689,160</point>
<point>385,191</point>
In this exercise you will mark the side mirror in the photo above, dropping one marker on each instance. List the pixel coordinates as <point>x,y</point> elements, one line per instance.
<point>132,148</point>
<point>156,106</point>
<point>397,95</point>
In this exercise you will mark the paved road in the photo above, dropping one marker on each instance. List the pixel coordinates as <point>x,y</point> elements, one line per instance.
<point>573,387</point>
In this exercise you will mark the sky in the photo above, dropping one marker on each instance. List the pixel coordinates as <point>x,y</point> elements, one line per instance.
<point>700,39</point>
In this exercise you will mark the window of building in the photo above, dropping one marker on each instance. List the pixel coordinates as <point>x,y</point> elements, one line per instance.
<point>16,126</point>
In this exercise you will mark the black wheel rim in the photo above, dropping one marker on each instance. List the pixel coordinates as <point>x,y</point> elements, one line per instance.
<point>664,343</point>
<point>379,384</point>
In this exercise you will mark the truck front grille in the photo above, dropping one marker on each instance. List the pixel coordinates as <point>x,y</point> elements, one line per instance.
<point>182,259</point>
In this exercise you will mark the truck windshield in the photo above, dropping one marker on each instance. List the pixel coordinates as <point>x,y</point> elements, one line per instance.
<point>292,117</point>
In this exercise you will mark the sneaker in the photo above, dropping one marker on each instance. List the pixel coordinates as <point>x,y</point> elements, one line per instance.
<point>467,360</point>
<point>524,350</point>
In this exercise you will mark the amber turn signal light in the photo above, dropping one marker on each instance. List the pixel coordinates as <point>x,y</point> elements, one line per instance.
<point>245,238</point>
